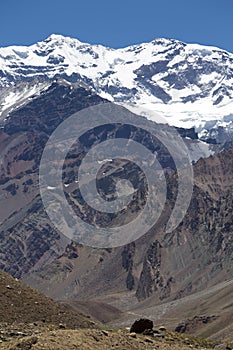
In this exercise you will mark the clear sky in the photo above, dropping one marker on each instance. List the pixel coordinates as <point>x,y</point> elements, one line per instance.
<point>118,23</point>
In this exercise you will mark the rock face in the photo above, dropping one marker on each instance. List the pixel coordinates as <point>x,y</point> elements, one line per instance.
<point>28,238</point>
<point>190,325</point>
<point>194,256</point>
<point>151,279</point>
<point>127,263</point>
<point>141,325</point>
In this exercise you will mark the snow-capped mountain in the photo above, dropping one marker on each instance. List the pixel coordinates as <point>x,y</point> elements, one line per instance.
<point>187,84</point>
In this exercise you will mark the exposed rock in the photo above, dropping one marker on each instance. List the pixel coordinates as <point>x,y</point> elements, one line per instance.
<point>191,324</point>
<point>133,334</point>
<point>106,333</point>
<point>148,332</point>
<point>141,325</point>
<point>26,344</point>
<point>127,262</point>
<point>150,279</point>
<point>221,347</point>
<point>62,326</point>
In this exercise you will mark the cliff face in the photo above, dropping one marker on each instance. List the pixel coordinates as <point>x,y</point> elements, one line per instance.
<point>29,241</point>
<point>197,255</point>
<point>28,238</point>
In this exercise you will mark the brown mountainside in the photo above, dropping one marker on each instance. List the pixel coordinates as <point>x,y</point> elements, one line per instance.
<point>196,255</point>
<point>21,304</point>
<point>158,270</point>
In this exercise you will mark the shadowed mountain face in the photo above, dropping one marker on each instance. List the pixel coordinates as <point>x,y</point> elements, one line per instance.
<point>28,238</point>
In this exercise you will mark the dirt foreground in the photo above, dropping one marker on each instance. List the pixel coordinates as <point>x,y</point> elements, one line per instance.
<point>89,339</point>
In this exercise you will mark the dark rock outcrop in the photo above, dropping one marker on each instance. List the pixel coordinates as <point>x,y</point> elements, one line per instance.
<point>141,325</point>
<point>191,324</point>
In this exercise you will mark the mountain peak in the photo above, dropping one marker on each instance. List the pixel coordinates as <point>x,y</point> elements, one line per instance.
<point>58,38</point>
<point>190,85</point>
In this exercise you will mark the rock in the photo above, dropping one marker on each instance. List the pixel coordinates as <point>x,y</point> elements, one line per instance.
<point>159,335</point>
<point>141,325</point>
<point>27,343</point>
<point>154,333</point>
<point>133,335</point>
<point>194,323</point>
<point>105,333</point>
<point>148,340</point>
<point>181,328</point>
<point>148,332</point>
<point>162,328</point>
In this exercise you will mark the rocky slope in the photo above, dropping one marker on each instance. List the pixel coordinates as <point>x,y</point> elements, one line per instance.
<point>29,241</point>
<point>24,305</point>
<point>95,339</point>
<point>28,237</point>
<point>29,320</point>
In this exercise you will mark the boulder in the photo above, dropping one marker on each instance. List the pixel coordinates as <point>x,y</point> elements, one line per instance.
<point>141,325</point>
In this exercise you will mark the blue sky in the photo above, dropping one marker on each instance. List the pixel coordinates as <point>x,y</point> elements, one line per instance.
<point>118,23</point>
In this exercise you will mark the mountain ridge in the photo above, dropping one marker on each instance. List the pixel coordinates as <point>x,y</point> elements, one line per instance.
<point>188,85</point>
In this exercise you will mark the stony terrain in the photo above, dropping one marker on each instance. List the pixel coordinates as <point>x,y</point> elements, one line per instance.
<point>22,304</point>
<point>26,313</point>
<point>102,339</point>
